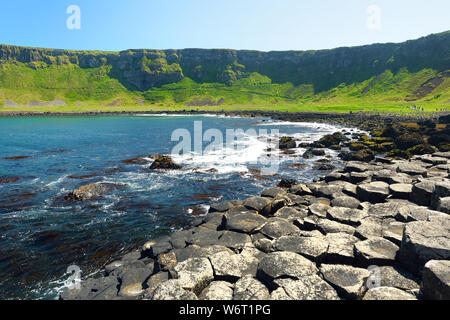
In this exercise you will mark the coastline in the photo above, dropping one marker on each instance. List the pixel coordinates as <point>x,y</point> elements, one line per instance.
<point>339,224</point>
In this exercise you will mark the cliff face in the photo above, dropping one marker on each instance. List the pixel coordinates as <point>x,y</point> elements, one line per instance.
<point>325,69</point>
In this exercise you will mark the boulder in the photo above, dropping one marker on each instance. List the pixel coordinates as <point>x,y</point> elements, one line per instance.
<point>172,290</point>
<point>346,202</point>
<point>218,290</point>
<point>388,276</point>
<point>248,288</point>
<point>234,240</point>
<point>167,261</point>
<point>412,169</point>
<point>345,215</point>
<point>387,293</point>
<point>273,192</point>
<point>348,281</point>
<point>256,203</point>
<point>87,192</point>
<point>340,248</point>
<point>422,192</point>
<point>278,227</point>
<point>152,283</point>
<point>424,241</point>
<point>444,205</point>
<point>318,209</point>
<point>441,190</point>
<point>436,280</point>
<point>287,143</point>
<point>401,190</point>
<point>284,264</point>
<point>104,288</point>
<point>245,222</point>
<point>307,288</point>
<point>132,280</point>
<point>373,192</point>
<point>300,190</point>
<point>328,226</point>
<point>353,166</point>
<point>230,266</point>
<point>313,248</point>
<point>375,251</point>
<point>164,163</point>
<point>194,274</point>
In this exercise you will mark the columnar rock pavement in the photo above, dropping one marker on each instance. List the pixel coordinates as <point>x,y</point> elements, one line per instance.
<point>377,230</point>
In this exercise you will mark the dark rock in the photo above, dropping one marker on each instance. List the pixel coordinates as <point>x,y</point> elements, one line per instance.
<point>436,280</point>
<point>234,240</point>
<point>86,192</point>
<point>256,203</point>
<point>105,288</point>
<point>346,215</point>
<point>287,183</point>
<point>164,163</point>
<point>412,169</point>
<point>422,192</point>
<point>273,192</point>
<point>287,143</point>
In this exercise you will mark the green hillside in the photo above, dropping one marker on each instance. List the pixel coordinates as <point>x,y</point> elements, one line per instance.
<point>383,77</point>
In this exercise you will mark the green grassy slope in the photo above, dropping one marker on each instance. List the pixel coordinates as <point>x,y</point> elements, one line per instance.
<point>227,79</point>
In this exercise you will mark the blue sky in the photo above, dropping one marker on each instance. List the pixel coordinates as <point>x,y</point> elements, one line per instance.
<point>237,24</point>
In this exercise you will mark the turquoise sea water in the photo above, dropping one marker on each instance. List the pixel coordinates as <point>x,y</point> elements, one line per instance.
<point>42,159</point>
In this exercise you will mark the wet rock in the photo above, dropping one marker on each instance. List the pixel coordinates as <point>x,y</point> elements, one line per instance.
<point>346,202</point>
<point>287,183</point>
<point>348,281</point>
<point>221,206</point>
<point>164,163</point>
<point>401,191</point>
<point>284,264</point>
<point>340,248</point>
<point>86,192</point>
<point>278,227</point>
<point>387,293</point>
<point>373,192</point>
<point>246,222</point>
<point>256,203</point>
<point>205,238</point>
<point>132,280</point>
<point>313,248</point>
<point>287,143</point>
<point>424,241</point>
<point>172,290</point>
<point>249,288</point>
<point>307,288</point>
<point>93,289</point>
<point>218,290</point>
<point>194,274</point>
<point>436,280</point>
<point>155,249</point>
<point>375,251</point>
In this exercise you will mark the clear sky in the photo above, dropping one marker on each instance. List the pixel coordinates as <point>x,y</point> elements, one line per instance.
<point>236,24</point>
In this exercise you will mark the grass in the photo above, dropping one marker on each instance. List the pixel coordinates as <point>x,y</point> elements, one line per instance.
<point>96,89</point>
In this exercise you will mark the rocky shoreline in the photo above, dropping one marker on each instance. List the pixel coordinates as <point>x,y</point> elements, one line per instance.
<point>378,229</point>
